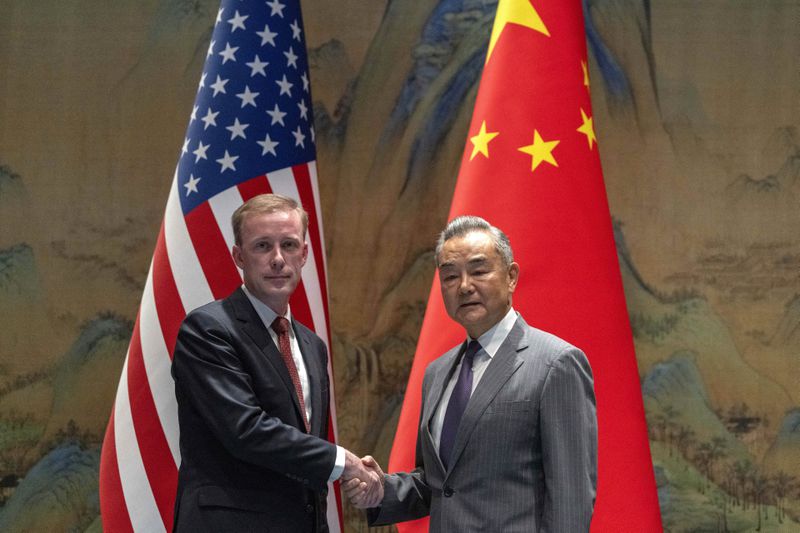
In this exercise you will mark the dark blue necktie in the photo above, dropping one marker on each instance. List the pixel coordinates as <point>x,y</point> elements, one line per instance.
<point>458,403</point>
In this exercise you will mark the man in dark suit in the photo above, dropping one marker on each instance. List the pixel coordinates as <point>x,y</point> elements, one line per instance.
<point>252,390</point>
<point>508,434</point>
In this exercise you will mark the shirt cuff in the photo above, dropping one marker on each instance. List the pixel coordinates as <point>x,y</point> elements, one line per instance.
<point>338,467</point>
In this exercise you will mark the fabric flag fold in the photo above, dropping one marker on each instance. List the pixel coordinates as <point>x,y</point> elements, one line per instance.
<point>250,132</point>
<point>531,167</point>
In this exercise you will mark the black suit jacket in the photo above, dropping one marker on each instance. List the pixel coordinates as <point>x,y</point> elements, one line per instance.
<point>247,463</point>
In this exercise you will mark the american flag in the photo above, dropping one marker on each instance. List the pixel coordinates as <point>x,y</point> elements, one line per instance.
<point>250,132</point>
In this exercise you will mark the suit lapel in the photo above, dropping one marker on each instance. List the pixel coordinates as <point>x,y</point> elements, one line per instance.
<point>254,327</point>
<point>502,366</point>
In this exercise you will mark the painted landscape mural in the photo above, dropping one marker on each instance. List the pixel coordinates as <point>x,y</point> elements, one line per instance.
<point>697,111</point>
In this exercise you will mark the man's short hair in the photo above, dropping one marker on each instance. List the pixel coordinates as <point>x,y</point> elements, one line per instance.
<point>460,226</point>
<point>265,204</point>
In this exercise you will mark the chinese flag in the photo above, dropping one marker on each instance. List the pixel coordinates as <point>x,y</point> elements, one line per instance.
<point>531,167</point>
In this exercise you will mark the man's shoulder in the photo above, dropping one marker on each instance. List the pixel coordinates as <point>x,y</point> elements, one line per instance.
<point>543,344</point>
<point>443,359</point>
<point>303,330</point>
<point>218,310</point>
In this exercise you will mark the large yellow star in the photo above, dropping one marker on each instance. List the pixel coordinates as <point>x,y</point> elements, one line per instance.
<point>540,151</point>
<point>519,12</point>
<point>587,128</point>
<point>480,142</point>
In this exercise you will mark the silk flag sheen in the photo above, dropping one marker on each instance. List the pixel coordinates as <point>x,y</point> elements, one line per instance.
<point>250,132</point>
<point>531,167</point>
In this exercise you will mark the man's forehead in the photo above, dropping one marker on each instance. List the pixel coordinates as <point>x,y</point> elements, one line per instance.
<point>276,224</point>
<point>468,252</point>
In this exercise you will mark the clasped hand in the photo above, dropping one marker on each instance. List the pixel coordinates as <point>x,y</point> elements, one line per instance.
<point>362,481</point>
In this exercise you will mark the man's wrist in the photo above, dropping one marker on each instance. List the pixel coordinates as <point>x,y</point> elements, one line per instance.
<point>338,466</point>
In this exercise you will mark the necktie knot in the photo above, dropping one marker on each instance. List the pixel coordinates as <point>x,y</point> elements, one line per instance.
<point>469,354</point>
<point>280,325</point>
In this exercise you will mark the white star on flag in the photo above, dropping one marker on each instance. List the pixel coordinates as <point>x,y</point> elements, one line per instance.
<point>191,184</point>
<point>277,8</point>
<point>229,54</point>
<point>285,85</point>
<point>210,119</point>
<point>227,162</point>
<point>291,58</point>
<point>248,97</point>
<point>237,129</point>
<point>219,86</point>
<point>277,116</point>
<point>257,66</point>
<point>267,36</point>
<point>237,22</point>
<point>299,138</point>
<point>200,151</point>
<point>268,145</point>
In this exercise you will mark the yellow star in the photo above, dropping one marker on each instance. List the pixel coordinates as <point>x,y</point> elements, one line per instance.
<point>540,151</point>
<point>585,74</point>
<point>480,142</point>
<point>519,12</point>
<point>587,128</point>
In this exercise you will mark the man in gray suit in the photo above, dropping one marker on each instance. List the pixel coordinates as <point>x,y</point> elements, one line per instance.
<point>507,438</point>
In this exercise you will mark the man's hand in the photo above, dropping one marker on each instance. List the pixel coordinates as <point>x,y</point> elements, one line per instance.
<point>363,493</point>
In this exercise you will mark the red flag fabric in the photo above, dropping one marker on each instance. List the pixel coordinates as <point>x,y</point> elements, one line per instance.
<point>250,132</point>
<point>531,167</point>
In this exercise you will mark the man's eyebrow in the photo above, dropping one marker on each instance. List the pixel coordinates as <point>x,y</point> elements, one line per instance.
<point>474,261</point>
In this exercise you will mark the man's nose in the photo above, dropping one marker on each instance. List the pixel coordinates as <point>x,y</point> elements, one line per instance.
<point>277,261</point>
<point>465,284</point>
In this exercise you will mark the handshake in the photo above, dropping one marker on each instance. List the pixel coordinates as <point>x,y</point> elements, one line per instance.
<point>362,481</point>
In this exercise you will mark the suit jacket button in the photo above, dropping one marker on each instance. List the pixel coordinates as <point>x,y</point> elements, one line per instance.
<point>309,508</point>
<point>448,491</point>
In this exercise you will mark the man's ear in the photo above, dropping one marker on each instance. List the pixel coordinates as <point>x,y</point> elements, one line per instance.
<point>513,276</point>
<point>305,252</point>
<point>236,252</point>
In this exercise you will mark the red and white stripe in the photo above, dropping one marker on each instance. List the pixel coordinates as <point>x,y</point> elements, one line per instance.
<point>192,266</point>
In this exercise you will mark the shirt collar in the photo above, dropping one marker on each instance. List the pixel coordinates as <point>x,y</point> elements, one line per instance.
<point>265,312</point>
<point>492,339</point>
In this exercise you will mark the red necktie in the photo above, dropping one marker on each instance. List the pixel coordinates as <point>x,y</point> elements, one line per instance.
<point>281,326</point>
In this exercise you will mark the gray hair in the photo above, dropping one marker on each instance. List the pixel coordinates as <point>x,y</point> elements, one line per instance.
<point>460,226</point>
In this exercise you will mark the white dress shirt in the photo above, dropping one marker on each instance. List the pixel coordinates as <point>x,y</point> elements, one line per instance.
<point>268,316</point>
<point>490,342</point>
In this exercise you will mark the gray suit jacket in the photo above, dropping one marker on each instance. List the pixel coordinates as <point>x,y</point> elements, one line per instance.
<point>525,456</point>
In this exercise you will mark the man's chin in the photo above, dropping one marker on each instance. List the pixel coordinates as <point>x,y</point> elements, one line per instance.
<point>471,318</point>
